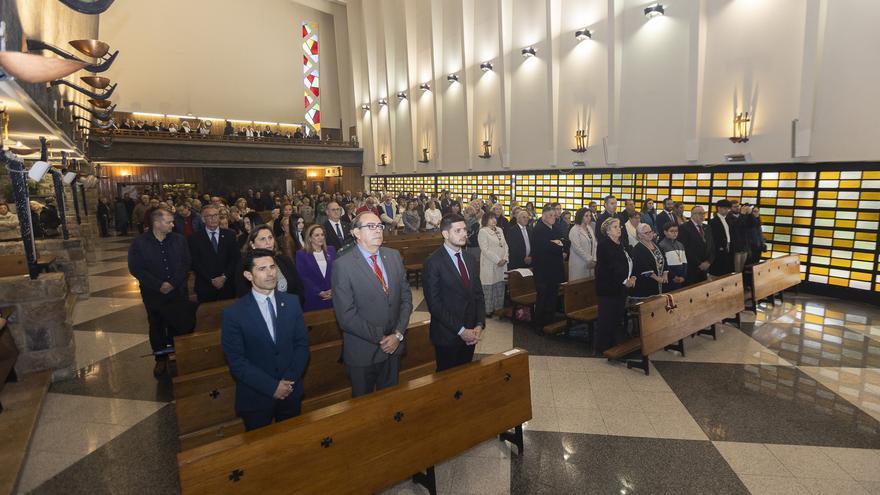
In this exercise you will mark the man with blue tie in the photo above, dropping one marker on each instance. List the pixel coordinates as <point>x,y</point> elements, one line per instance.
<point>266,344</point>
<point>215,254</point>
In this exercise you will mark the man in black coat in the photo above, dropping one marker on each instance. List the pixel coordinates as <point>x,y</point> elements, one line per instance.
<point>336,229</point>
<point>454,295</point>
<point>547,265</point>
<point>664,216</point>
<point>610,212</point>
<point>215,254</point>
<point>697,240</point>
<point>159,260</point>
<point>519,242</point>
<point>722,240</point>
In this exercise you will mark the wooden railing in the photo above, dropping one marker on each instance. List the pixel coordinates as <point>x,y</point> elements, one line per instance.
<point>214,138</point>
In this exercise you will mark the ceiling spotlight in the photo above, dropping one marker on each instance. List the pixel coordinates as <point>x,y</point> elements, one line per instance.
<point>383,102</point>
<point>452,78</point>
<point>486,66</point>
<point>365,107</point>
<point>401,95</point>
<point>654,10</point>
<point>529,51</point>
<point>425,86</point>
<point>582,34</point>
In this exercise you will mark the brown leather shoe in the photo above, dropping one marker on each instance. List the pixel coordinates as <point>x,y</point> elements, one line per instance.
<point>160,368</point>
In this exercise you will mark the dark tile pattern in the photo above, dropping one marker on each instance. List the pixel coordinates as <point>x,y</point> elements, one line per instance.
<point>423,306</point>
<point>768,404</point>
<point>118,272</point>
<point>142,460</point>
<point>573,345</point>
<point>130,290</point>
<point>125,375</point>
<point>574,463</point>
<point>128,320</point>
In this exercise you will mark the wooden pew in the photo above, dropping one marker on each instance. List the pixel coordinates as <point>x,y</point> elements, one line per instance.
<point>367,444</point>
<point>580,300</point>
<point>201,350</point>
<point>414,258</point>
<point>205,398</point>
<point>773,276</point>
<point>522,289</point>
<point>697,307</point>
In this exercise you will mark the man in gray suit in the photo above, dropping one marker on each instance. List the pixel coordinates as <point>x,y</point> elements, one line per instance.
<point>373,302</point>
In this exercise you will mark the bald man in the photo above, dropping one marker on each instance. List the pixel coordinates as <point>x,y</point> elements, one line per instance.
<point>336,228</point>
<point>696,237</point>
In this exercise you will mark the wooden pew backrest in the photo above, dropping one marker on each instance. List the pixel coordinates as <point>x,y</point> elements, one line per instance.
<point>345,448</point>
<point>775,275</point>
<point>579,294</point>
<point>698,306</point>
<point>520,286</point>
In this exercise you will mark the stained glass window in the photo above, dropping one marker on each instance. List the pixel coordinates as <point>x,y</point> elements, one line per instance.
<point>311,80</point>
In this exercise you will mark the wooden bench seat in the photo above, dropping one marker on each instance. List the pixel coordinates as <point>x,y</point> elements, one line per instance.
<point>344,448</point>
<point>696,307</point>
<point>773,276</point>
<point>580,301</point>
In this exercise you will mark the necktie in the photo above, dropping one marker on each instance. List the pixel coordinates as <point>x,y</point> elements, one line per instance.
<point>525,234</point>
<point>272,318</point>
<point>465,279</point>
<point>214,241</point>
<point>700,228</point>
<point>339,233</point>
<point>378,272</point>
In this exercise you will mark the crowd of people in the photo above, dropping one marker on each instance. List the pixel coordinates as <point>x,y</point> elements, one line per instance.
<point>204,127</point>
<point>45,221</point>
<point>282,254</point>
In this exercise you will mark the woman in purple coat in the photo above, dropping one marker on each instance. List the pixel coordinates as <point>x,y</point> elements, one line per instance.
<point>314,262</point>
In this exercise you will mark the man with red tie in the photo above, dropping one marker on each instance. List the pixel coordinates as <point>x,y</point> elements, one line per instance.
<point>697,241</point>
<point>454,295</point>
<point>373,303</point>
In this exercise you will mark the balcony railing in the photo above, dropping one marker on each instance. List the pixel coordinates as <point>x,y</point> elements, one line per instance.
<point>214,138</point>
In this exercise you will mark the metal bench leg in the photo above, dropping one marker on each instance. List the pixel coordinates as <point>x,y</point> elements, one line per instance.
<point>643,364</point>
<point>427,480</point>
<point>515,437</point>
<point>676,347</point>
<point>708,331</point>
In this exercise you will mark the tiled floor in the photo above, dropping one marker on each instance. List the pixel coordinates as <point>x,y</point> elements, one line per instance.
<point>789,403</point>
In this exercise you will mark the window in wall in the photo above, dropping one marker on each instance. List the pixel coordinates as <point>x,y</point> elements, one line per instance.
<point>377,184</point>
<point>312,99</point>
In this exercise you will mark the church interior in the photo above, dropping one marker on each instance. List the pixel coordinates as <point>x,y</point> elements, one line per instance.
<point>519,180</point>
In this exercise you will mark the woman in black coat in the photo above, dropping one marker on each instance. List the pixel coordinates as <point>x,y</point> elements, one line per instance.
<point>755,234</point>
<point>649,264</point>
<point>613,280</point>
<point>288,276</point>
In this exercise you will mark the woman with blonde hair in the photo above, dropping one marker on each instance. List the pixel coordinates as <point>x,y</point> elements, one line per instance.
<point>314,262</point>
<point>493,264</point>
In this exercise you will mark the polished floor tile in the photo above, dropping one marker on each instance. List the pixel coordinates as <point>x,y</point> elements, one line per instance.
<point>132,319</point>
<point>816,344</point>
<point>125,375</point>
<point>140,460</point>
<point>859,386</point>
<point>572,463</point>
<point>524,337</point>
<point>42,465</point>
<point>92,346</point>
<point>497,337</point>
<point>100,282</point>
<point>732,346</point>
<point>768,404</point>
<point>102,267</point>
<point>130,290</point>
<point>95,307</point>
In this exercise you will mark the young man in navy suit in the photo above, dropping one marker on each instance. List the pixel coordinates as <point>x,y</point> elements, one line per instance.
<point>266,344</point>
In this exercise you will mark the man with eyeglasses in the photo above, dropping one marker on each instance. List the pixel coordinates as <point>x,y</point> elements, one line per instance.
<point>373,303</point>
<point>215,255</point>
<point>336,227</point>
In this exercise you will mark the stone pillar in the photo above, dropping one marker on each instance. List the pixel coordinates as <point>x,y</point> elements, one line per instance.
<point>70,258</point>
<point>42,323</point>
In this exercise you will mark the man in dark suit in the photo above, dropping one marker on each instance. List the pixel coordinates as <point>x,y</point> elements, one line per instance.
<point>664,216</point>
<point>159,260</point>
<point>266,345</point>
<point>336,228</point>
<point>697,241</point>
<point>547,265</point>
<point>214,256</point>
<point>454,295</point>
<point>722,240</point>
<point>519,242</point>
<point>373,303</point>
<point>610,211</point>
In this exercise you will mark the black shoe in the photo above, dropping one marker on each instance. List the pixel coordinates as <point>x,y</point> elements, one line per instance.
<point>160,368</point>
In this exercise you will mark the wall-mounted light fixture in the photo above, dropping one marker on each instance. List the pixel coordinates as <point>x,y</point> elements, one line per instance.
<point>452,78</point>
<point>582,34</point>
<point>383,102</point>
<point>426,156</point>
<point>425,87</point>
<point>486,66</point>
<point>365,107</point>
<point>652,11</point>
<point>91,48</point>
<point>581,141</point>
<point>383,160</point>
<point>529,51</point>
<point>487,150</point>
<point>741,123</point>
<point>401,95</point>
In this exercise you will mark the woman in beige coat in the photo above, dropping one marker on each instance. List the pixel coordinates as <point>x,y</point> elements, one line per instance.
<point>493,263</point>
<point>582,257</point>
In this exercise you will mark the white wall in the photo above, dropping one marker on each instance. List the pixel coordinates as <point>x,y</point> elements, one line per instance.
<point>674,86</point>
<point>224,58</point>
